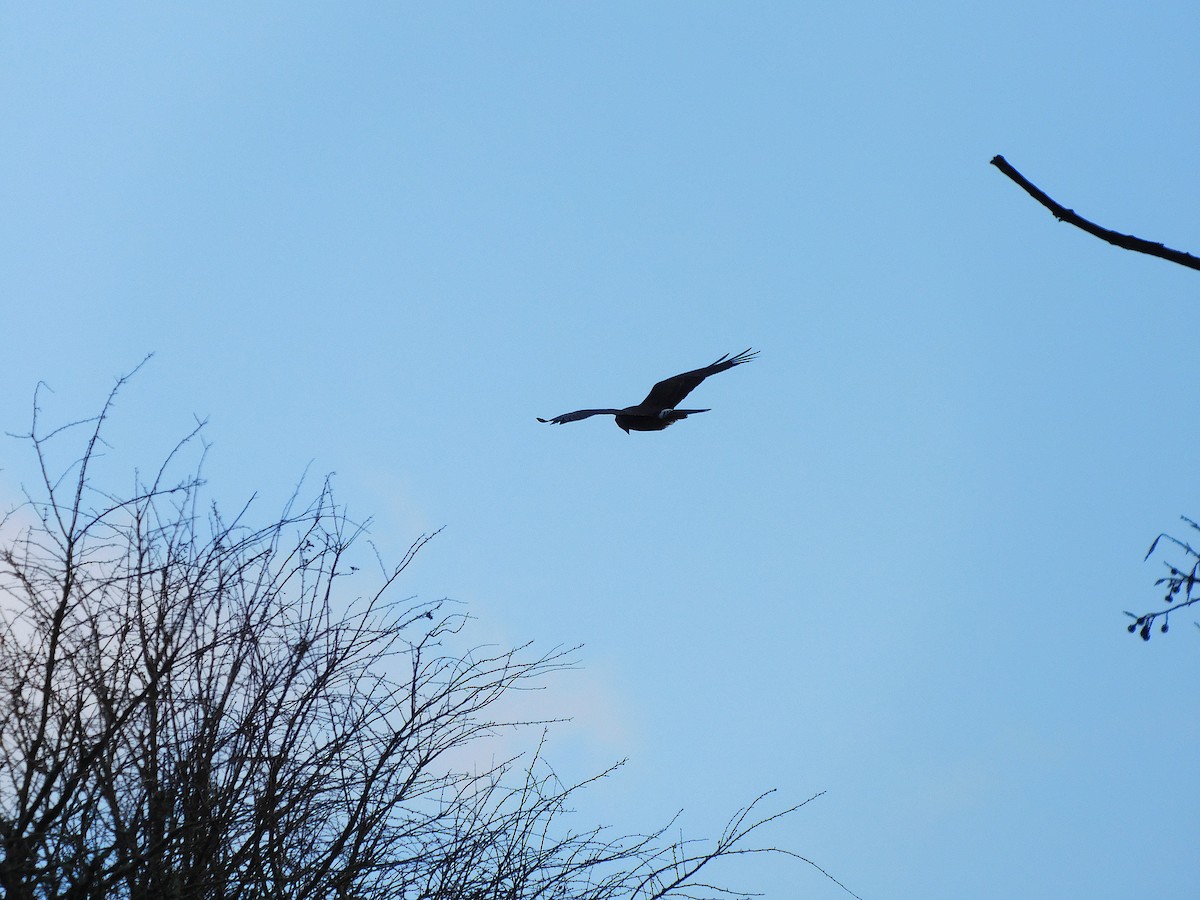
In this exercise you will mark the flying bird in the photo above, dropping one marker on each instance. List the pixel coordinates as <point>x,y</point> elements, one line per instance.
<point>658,410</point>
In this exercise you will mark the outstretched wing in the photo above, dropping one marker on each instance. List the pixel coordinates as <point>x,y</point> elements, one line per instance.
<point>577,415</point>
<point>669,392</point>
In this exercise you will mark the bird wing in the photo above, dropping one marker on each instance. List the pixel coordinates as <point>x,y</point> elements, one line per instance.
<point>577,415</point>
<point>669,392</point>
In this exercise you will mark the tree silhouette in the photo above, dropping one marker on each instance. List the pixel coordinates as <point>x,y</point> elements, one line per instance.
<point>190,707</point>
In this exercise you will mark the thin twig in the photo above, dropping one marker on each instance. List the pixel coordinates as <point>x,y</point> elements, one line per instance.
<point>1125,241</point>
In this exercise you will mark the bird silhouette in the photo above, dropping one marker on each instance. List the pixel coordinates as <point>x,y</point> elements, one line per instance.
<point>659,410</point>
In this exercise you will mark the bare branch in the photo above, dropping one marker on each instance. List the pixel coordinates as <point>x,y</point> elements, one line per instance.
<point>1182,586</point>
<point>1124,241</point>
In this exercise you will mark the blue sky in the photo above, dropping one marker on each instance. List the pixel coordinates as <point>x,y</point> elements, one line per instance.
<point>890,564</point>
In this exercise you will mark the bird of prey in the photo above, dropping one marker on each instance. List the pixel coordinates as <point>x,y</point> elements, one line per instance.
<point>658,410</point>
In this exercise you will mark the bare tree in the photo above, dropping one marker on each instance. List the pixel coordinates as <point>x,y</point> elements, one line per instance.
<point>190,707</point>
<point>1180,580</point>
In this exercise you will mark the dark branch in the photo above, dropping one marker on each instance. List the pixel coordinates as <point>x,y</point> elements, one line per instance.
<point>1125,241</point>
<point>1182,586</point>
